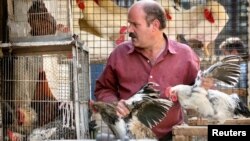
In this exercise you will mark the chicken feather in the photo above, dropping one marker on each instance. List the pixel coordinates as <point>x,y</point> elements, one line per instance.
<point>227,70</point>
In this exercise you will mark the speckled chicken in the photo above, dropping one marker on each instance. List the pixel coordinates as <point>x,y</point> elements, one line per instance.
<point>147,110</point>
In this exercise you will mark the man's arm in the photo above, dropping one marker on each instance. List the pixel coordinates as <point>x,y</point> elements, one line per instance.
<point>106,88</point>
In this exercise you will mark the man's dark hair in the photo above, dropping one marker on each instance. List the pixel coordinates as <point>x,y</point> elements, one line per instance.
<point>154,11</point>
<point>233,43</point>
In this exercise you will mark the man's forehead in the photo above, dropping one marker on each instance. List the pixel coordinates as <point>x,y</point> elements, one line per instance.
<point>136,12</point>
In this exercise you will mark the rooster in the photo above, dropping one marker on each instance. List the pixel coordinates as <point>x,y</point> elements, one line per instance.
<point>201,22</point>
<point>147,110</point>
<point>209,103</point>
<point>44,93</point>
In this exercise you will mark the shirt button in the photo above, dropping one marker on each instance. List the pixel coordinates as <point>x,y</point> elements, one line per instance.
<point>148,61</point>
<point>150,76</point>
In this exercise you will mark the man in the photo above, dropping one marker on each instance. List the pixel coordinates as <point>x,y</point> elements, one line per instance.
<point>149,57</point>
<point>235,46</point>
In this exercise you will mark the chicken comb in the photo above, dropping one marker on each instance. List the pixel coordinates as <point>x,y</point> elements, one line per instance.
<point>208,15</point>
<point>168,16</point>
<point>80,4</point>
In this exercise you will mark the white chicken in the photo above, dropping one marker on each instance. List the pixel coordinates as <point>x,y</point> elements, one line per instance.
<point>111,6</point>
<point>201,22</point>
<point>209,103</point>
<point>110,25</point>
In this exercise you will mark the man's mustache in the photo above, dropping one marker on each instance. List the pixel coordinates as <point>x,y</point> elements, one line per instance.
<point>132,35</point>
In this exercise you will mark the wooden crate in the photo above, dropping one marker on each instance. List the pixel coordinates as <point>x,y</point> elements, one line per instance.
<point>204,122</point>
<point>189,133</point>
<point>197,129</point>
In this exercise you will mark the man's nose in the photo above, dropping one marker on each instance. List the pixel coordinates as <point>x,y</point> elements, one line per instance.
<point>130,29</point>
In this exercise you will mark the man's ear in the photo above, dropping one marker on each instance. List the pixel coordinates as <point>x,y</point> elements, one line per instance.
<point>156,24</point>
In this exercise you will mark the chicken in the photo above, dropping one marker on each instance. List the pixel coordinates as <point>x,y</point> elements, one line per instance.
<point>25,120</point>
<point>109,25</point>
<point>201,22</point>
<point>196,45</point>
<point>111,6</point>
<point>43,93</point>
<point>41,134</point>
<point>41,22</point>
<point>53,130</point>
<point>147,110</point>
<point>209,103</point>
<point>88,28</point>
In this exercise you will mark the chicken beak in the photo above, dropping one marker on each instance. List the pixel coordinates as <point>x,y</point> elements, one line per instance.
<point>171,94</point>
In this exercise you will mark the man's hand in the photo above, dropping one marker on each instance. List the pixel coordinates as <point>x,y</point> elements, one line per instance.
<point>121,109</point>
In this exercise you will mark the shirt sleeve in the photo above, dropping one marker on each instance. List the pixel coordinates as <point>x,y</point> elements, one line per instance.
<point>106,89</point>
<point>193,69</point>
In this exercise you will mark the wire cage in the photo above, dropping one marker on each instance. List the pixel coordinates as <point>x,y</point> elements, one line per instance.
<point>39,20</point>
<point>96,23</point>
<point>44,95</point>
<point>201,24</point>
<point>102,24</point>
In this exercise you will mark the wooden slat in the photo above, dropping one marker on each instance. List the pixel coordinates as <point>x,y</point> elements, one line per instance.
<point>239,91</point>
<point>179,138</point>
<point>190,130</point>
<point>204,122</point>
<point>242,121</point>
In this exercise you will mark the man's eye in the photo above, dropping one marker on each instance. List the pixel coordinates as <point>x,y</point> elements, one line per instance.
<point>133,24</point>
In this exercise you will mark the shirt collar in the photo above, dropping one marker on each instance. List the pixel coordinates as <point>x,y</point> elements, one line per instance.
<point>131,47</point>
<point>169,46</point>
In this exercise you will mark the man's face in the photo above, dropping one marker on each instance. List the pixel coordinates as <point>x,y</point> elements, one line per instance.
<point>139,30</point>
<point>231,52</point>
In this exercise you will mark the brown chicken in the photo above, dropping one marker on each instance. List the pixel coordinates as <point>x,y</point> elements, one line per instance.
<point>44,103</point>
<point>40,20</point>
